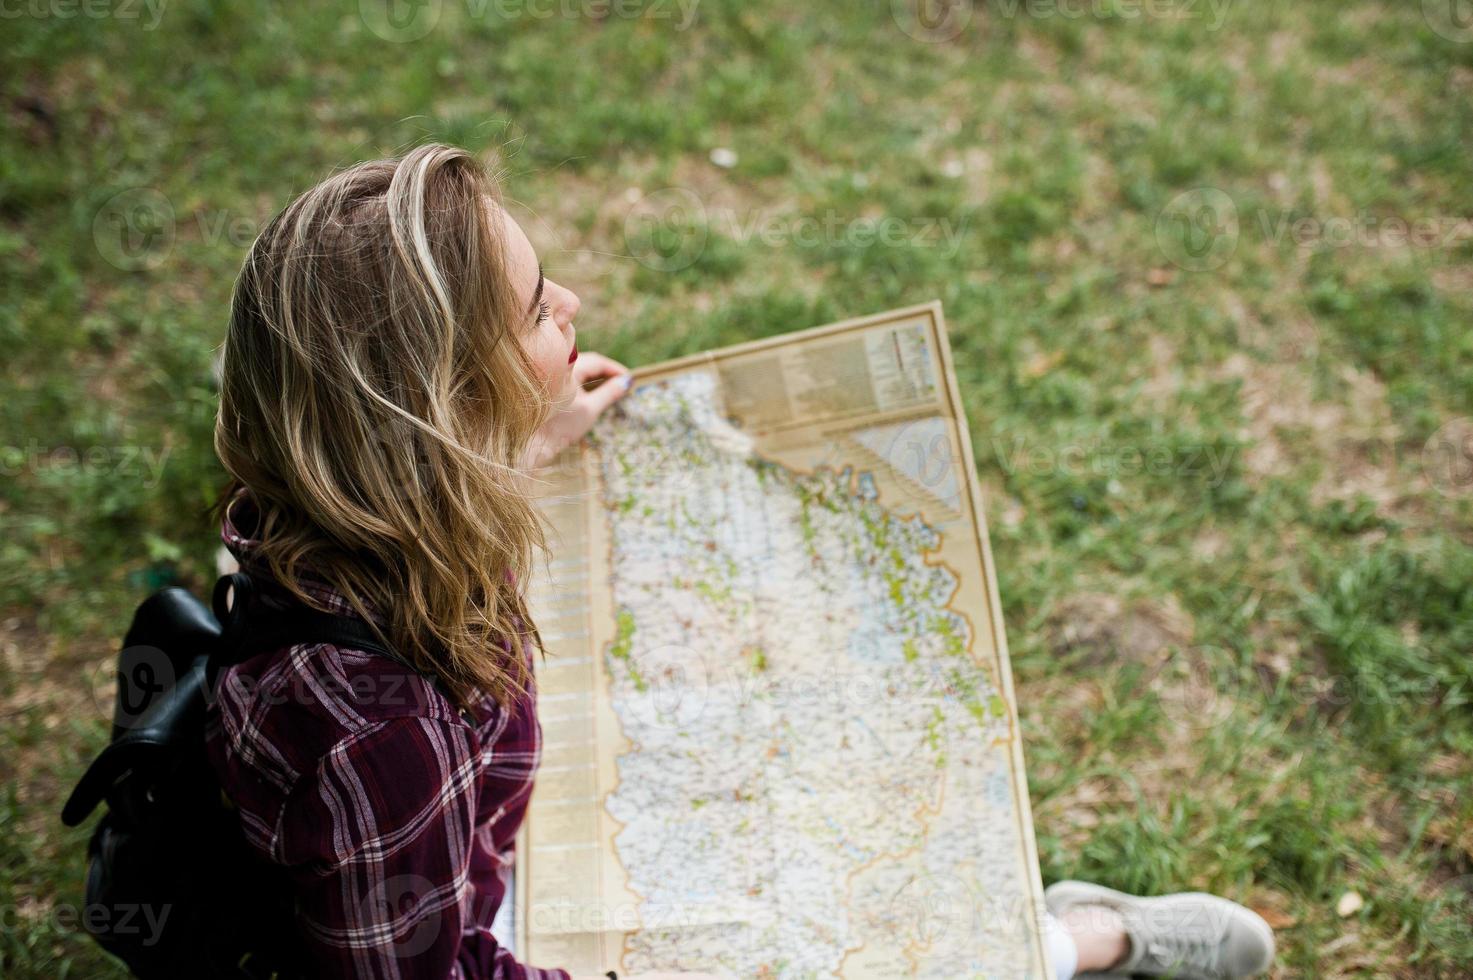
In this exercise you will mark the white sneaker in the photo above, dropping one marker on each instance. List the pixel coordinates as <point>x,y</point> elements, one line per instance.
<point>1190,936</point>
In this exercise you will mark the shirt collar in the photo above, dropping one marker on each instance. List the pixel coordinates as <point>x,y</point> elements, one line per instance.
<point>238,531</point>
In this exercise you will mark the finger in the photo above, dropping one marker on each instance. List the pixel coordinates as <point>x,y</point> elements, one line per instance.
<point>597,367</point>
<point>591,365</point>
<point>595,400</point>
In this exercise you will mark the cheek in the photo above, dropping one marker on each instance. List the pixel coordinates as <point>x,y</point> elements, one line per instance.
<point>550,358</point>
<point>535,344</point>
<point>553,358</point>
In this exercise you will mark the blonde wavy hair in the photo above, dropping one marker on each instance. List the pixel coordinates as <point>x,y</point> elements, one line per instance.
<point>376,404</point>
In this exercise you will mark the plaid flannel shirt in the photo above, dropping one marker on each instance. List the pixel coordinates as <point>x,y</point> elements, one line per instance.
<point>394,814</point>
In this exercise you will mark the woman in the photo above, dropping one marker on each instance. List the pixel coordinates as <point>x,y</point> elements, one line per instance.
<point>396,364</point>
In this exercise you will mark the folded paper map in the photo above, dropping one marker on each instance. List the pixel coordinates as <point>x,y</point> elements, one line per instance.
<point>780,734</point>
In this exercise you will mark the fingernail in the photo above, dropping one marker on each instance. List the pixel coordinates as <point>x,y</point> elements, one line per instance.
<point>626,380</point>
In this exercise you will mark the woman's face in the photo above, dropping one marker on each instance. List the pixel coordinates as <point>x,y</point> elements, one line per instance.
<point>546,312</point>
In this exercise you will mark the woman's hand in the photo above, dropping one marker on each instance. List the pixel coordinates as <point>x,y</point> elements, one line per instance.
<point>575,418</point>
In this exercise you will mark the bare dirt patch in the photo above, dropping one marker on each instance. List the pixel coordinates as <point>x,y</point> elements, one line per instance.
<point>1352,440</point>
<point>46,690</point>
<point>1101,628</point>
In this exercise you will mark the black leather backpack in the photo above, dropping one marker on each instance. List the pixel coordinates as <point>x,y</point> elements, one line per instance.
<point>173,888</point>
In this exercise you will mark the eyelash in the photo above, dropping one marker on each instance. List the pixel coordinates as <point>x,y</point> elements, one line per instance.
<point>543,312</point>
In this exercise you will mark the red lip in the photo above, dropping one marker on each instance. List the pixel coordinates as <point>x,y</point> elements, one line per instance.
<point>573,356</point>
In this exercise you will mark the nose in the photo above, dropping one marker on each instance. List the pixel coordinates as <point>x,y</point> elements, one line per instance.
<point>572,304</point>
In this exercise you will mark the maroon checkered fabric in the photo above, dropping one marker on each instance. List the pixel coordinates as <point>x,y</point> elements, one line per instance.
<point>394,814</point>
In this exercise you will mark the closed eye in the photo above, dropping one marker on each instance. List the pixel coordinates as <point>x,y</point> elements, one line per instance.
<point>537,301</point>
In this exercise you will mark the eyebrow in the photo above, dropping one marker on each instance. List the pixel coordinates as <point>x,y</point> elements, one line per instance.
<point>537,293</point>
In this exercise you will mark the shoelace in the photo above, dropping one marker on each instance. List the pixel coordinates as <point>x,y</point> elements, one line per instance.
<point>1194,951</point>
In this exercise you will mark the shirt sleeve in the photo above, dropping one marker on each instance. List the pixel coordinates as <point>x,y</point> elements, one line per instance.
<point>379,841</point>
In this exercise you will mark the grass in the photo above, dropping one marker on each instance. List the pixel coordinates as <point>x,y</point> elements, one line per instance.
<point>1224,445</point>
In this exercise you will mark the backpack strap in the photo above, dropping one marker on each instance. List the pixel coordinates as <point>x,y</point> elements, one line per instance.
<point>245,636</point>
<point>172,725</point>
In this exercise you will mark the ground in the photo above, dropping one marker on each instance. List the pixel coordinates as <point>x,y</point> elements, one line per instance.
<point>1207,268</point>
